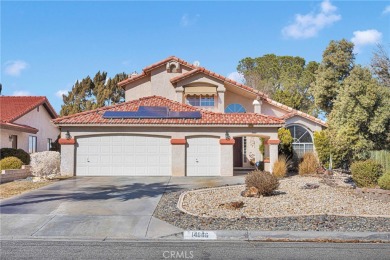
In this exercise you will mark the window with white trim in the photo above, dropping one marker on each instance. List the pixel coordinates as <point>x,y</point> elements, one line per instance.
<point>32,144</point>
<point>200,101</point>
<point>302,140</point>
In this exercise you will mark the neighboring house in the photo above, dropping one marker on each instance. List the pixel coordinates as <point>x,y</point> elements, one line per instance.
<point>25,123</point>
<point>180,120</point>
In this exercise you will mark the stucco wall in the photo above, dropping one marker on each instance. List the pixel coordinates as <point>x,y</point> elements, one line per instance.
<point>233,98</point>
<point>268,109</point>
<point>41,121</point>
<point>161,84</point>
<point>138,89</point>
<point>22,139</point>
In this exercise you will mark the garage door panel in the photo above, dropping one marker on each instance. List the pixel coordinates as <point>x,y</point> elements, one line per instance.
<point>203,156</point>
<point>123,156</point>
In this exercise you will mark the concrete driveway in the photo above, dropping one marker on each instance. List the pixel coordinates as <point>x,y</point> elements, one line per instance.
<point>96,207</point>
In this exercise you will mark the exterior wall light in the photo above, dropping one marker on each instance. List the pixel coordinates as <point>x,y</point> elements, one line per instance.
<point>10,138</point>
<point>227,136</point>
<point>67,135</point>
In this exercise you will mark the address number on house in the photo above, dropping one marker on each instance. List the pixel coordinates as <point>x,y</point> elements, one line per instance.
<point>201,234</point>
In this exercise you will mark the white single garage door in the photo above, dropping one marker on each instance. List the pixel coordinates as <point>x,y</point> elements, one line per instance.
<point>203,156</point>
<point>123,155</point>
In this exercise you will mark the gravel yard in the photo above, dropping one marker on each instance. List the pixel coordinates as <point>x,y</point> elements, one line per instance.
<point>168,211</point>
<point>289,200</point>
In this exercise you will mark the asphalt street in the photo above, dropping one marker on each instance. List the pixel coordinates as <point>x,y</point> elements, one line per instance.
<point>62,249</point>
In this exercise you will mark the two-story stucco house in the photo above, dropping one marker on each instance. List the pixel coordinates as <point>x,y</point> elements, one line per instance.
<point>180,120</point>
<point>25,123</point>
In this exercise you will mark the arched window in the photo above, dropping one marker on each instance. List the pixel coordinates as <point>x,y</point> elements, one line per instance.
<point>235,108</point>
<point>302,140</point>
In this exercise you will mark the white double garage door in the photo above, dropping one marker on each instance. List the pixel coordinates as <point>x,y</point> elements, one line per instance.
<point>131,155</point>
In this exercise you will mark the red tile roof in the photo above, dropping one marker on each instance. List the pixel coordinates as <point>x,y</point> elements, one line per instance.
<point>293,112</point>
<point>220,77</point>
<point>149,68</point>
<point>18,127</point>
<point>208,118</point>
<point>14,107</point>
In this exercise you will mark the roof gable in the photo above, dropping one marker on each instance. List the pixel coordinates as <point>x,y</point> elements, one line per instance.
<point>207,117</point>
<point>14,107</point>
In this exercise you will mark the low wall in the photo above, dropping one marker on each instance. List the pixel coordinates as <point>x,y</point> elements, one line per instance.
<point>11,175</point>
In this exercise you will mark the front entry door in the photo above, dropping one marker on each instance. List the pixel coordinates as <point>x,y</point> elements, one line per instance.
<point>237,152</point>
<point>15,142</point>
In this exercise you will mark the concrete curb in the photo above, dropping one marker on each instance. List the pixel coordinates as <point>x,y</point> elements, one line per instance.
<point>242,235</point>
<point>294,236</point>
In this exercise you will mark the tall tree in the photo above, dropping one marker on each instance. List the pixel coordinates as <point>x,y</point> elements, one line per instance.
<point>380,65</point>
<point>286,79</point>
<point>337,62</point>
<point>360,119</point>
<point>89,94</point>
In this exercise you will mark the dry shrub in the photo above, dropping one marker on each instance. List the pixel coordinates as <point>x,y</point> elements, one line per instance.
<point>281,167</point>
<point>45,163</point>
<point>309,164</point>
<point>263,181</point>
<point>10,163</point>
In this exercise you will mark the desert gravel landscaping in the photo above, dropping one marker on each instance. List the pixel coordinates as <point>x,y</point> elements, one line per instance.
<point>289,200</point>
<point>337,209</point>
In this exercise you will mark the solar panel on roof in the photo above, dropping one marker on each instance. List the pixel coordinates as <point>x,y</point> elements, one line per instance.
<point>152,113</point>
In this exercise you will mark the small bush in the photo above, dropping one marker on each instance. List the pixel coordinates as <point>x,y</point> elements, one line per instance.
<point>286,140</point>
<point>9,163</point>
<point>45,163</point>
<point>18,153</point>
<point>281,167</point>
<point>263,181</point>
<point>384,181</point>
<point>309,164</point>
<point>366,173</point>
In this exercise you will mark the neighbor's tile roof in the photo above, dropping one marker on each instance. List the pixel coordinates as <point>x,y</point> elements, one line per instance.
<point>208,118</point>
<point>14,107</point>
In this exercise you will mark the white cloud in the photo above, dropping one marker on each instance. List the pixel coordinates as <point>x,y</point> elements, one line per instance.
<point>187,20</point>
<point>308,25</point>
<point>386,10</point>
<point>15,68</point>
<point>21,93</point>
<point>367,37</point>
<point>236,76</point>
<point>61,92</point>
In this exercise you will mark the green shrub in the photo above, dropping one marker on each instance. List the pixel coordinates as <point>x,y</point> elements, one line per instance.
<point>18,153</point>
<point>366,173</point>
<point>322,144</point>
<point>384,181</point>
<point>281,167</point>
<point>263,181</point>
<point>286,140</point>
<point>10,163</point>
<point>309,164</point>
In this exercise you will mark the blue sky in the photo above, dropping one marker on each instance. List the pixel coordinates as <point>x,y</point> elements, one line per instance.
<point>46,46</point>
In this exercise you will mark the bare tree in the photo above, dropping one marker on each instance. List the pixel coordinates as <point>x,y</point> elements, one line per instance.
<point>380,65</point>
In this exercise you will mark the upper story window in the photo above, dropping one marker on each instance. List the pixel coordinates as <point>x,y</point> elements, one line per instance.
<point>200,101</point>
<point>235,108</point>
